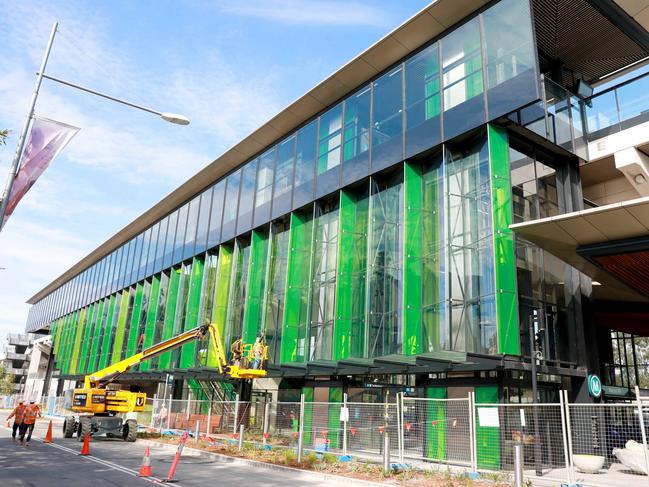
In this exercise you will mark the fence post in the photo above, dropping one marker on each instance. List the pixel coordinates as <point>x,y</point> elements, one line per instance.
<point>345,418</point>
<point>198,425</point>
<point>564,434</point>
<point>241,437</point>
<point>472,432</point>
<point>300,435</point>
<point>153,408</point>
<point>236,413</point>
<point>518,465</point>
<point>209,418</point>
<point>169,412</point>
<point>189,400</point>
<point>266,421</point>
<point>386,452</point>
<point>400,433</point>
<point>642,427</point>
<point>569,433</point>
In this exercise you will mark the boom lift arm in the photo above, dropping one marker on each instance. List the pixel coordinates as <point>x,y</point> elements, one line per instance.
<point>103,377</point>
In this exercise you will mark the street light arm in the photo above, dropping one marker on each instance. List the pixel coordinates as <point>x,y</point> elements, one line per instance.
<point>169,117</point>
<point>103,95</point>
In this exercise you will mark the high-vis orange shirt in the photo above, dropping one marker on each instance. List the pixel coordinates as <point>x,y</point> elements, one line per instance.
<point>31,412</point>
<point>18,413</point>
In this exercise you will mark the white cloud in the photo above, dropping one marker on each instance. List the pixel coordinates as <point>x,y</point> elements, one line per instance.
<point>314,12</point>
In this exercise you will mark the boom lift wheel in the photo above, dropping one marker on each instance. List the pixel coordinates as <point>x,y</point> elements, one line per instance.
<point>129,430</point>
<point>68,427</point>
<point>84,428</point>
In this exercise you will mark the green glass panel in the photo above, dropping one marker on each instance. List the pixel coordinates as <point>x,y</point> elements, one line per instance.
<point>86,343</point>
<point>106,342</point>
<point>65,345</point>
<point>97,334</point>
<point>253,315</point>
<point>151,312</point>
<point>333,423</point>
<point>505,261</point>
<point>189,351</point>
<point>81,321</point>
<point>122,315</point>
<point>412,285</point>
<point>164,361</point>
<point>134,330</point>
<point>296,310</point>
<point>352,268</point>
<point>221,294</point>
<point>436,423</point>
<point>487,437</point>
<point>59,334</point>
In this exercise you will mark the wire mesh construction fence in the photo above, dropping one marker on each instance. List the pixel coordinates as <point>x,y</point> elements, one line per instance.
<point>600,444</point>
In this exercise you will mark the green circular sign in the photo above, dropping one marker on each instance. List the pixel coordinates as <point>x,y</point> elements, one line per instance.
<point>594,386</point>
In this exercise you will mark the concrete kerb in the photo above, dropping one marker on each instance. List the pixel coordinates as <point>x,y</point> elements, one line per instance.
<point>204,455</point>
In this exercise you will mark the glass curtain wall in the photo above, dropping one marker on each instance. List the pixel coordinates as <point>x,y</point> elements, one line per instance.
<point>469,252</point>
<point>237,293</point>
<point>323,282</point>
<point>275,289</point>
<point>384,316</point>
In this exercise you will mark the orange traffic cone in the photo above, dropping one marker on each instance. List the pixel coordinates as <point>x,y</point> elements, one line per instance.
<point>48,435</point>
<point>145,469</point>
<point>86,446</point>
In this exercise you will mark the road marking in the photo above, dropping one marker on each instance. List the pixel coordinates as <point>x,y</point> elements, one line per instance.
<point>106,463</point>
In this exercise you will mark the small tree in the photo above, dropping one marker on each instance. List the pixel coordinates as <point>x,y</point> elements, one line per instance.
<point>4,134</point>
<point>6,381</point>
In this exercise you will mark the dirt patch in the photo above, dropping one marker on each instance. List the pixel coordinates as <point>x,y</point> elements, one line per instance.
<point>328,463</point>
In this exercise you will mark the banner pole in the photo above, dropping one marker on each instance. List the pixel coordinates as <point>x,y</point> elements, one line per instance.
<point>23,134</point>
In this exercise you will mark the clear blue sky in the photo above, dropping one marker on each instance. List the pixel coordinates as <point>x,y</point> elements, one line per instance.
<point>227,65</point>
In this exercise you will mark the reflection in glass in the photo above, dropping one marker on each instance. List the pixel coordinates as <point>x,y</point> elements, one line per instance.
<point>216,213</point>
<point>247,196</point>
<point>150,261</point>
<point>160,246</point>
<point>282,192</point>
<point>179,244</point>
<point>275,293</point>
<point>170,240</point>
<point>323,287</point>
<point>230,205</point>
<point>238,285</point>
<point>385,268</point>
<point>423,101</point>
<point>329,139</point>
<point>264,192</point>
<point>387,123</point>
<point>356,135</point>
<point>470,250</point>
<point>203,221</point>
<point>305,154</point>
<point>462,64</point>
<point>192,225</point>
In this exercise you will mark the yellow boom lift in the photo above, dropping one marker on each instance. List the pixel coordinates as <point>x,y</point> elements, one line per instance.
<point>101,400</point>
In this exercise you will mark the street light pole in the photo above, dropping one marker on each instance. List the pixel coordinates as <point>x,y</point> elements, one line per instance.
<point>23,133</point>
<point>167,116</point>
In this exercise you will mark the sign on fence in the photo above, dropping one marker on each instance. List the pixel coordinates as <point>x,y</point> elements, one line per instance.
<point>488,417</point>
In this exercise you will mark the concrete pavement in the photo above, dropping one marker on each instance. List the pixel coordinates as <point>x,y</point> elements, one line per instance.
<point>115,463</point>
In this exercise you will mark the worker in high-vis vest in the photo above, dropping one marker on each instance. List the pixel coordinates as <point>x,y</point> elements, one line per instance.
<point>17,414</point>
<point>32,411</point>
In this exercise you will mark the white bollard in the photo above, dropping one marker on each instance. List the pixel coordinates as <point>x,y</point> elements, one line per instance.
<point>241,437</point>
<point>518,466</point>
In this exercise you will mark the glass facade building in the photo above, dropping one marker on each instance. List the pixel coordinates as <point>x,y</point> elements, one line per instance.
<point>378,230</point>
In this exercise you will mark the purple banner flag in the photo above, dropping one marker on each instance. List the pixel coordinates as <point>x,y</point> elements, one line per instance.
<point>46,139</point>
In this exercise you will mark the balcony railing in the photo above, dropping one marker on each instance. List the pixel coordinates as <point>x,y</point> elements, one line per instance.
<point>617,108</point>
<point>557,117</point>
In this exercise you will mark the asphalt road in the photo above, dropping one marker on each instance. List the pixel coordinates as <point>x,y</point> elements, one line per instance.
<point>115,463</point>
